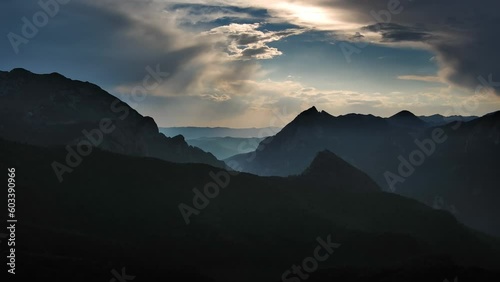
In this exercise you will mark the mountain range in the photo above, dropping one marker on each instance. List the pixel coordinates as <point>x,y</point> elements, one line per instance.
<point>438,120</point>
<point>400,154</point>
<point>160,209</point>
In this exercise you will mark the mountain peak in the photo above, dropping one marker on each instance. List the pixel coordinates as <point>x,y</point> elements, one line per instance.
<point>328,167</point>
<point>407,119</point>
<point>326,154</point>
<point>20,71</point>
<point>312,110</point>
<point>404,113</point>
<point>307,116</point>
<point>323,160</point>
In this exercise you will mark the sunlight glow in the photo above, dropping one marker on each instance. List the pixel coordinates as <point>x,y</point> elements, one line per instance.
<point>313,16</point>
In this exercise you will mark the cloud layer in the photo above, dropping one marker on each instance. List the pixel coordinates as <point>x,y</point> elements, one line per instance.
<point>216,52</point>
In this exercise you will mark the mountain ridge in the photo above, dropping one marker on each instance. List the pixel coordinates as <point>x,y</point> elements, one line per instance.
<point>50,109</point>
<point>462,161</point>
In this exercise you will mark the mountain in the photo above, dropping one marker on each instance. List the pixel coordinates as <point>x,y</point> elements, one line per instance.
<point>406,119</point>
<point>212,132</point>
<point>53,110</point>
<point>327,168</point>
<point>352,137</point>
<point>459,170</point>
<point>461,175</point>
<point>123,212</point>
<point>439,120</point>
<point>225,147</point>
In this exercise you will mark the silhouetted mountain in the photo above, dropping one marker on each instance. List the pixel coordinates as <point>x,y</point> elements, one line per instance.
<point>52,110</point>
<point>352,137</point>
<point>328,168</point>
<point>406,119</point>
<point>462,174</point>
<point>465,161</point>
<point>127,215</point>
<point>312,111</point>
<point>439,120</point>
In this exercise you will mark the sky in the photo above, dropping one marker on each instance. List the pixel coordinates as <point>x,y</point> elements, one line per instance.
<point>259,63</point>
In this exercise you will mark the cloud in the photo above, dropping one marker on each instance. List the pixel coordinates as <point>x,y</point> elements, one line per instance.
<point>396,33</point>
<point>107,42</point>
<point>196,14</point>
<point>366,103</point>
<point>425,78</point>
<point>216,70</point>
<point>357,35</point>
<point>458,32</point>
<point>112,42</point>
<point>216,97</point>
<point>246,41</point>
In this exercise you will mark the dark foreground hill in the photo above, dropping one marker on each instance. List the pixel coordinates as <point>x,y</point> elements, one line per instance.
<point>53,110</point>
<point>116,211</point>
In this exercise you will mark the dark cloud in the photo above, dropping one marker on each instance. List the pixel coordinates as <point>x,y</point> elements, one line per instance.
<point>95,41</point>
<point>357,35</point>
<point>461,33</point>
<point>226,11</point>
<point>395,32</point>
